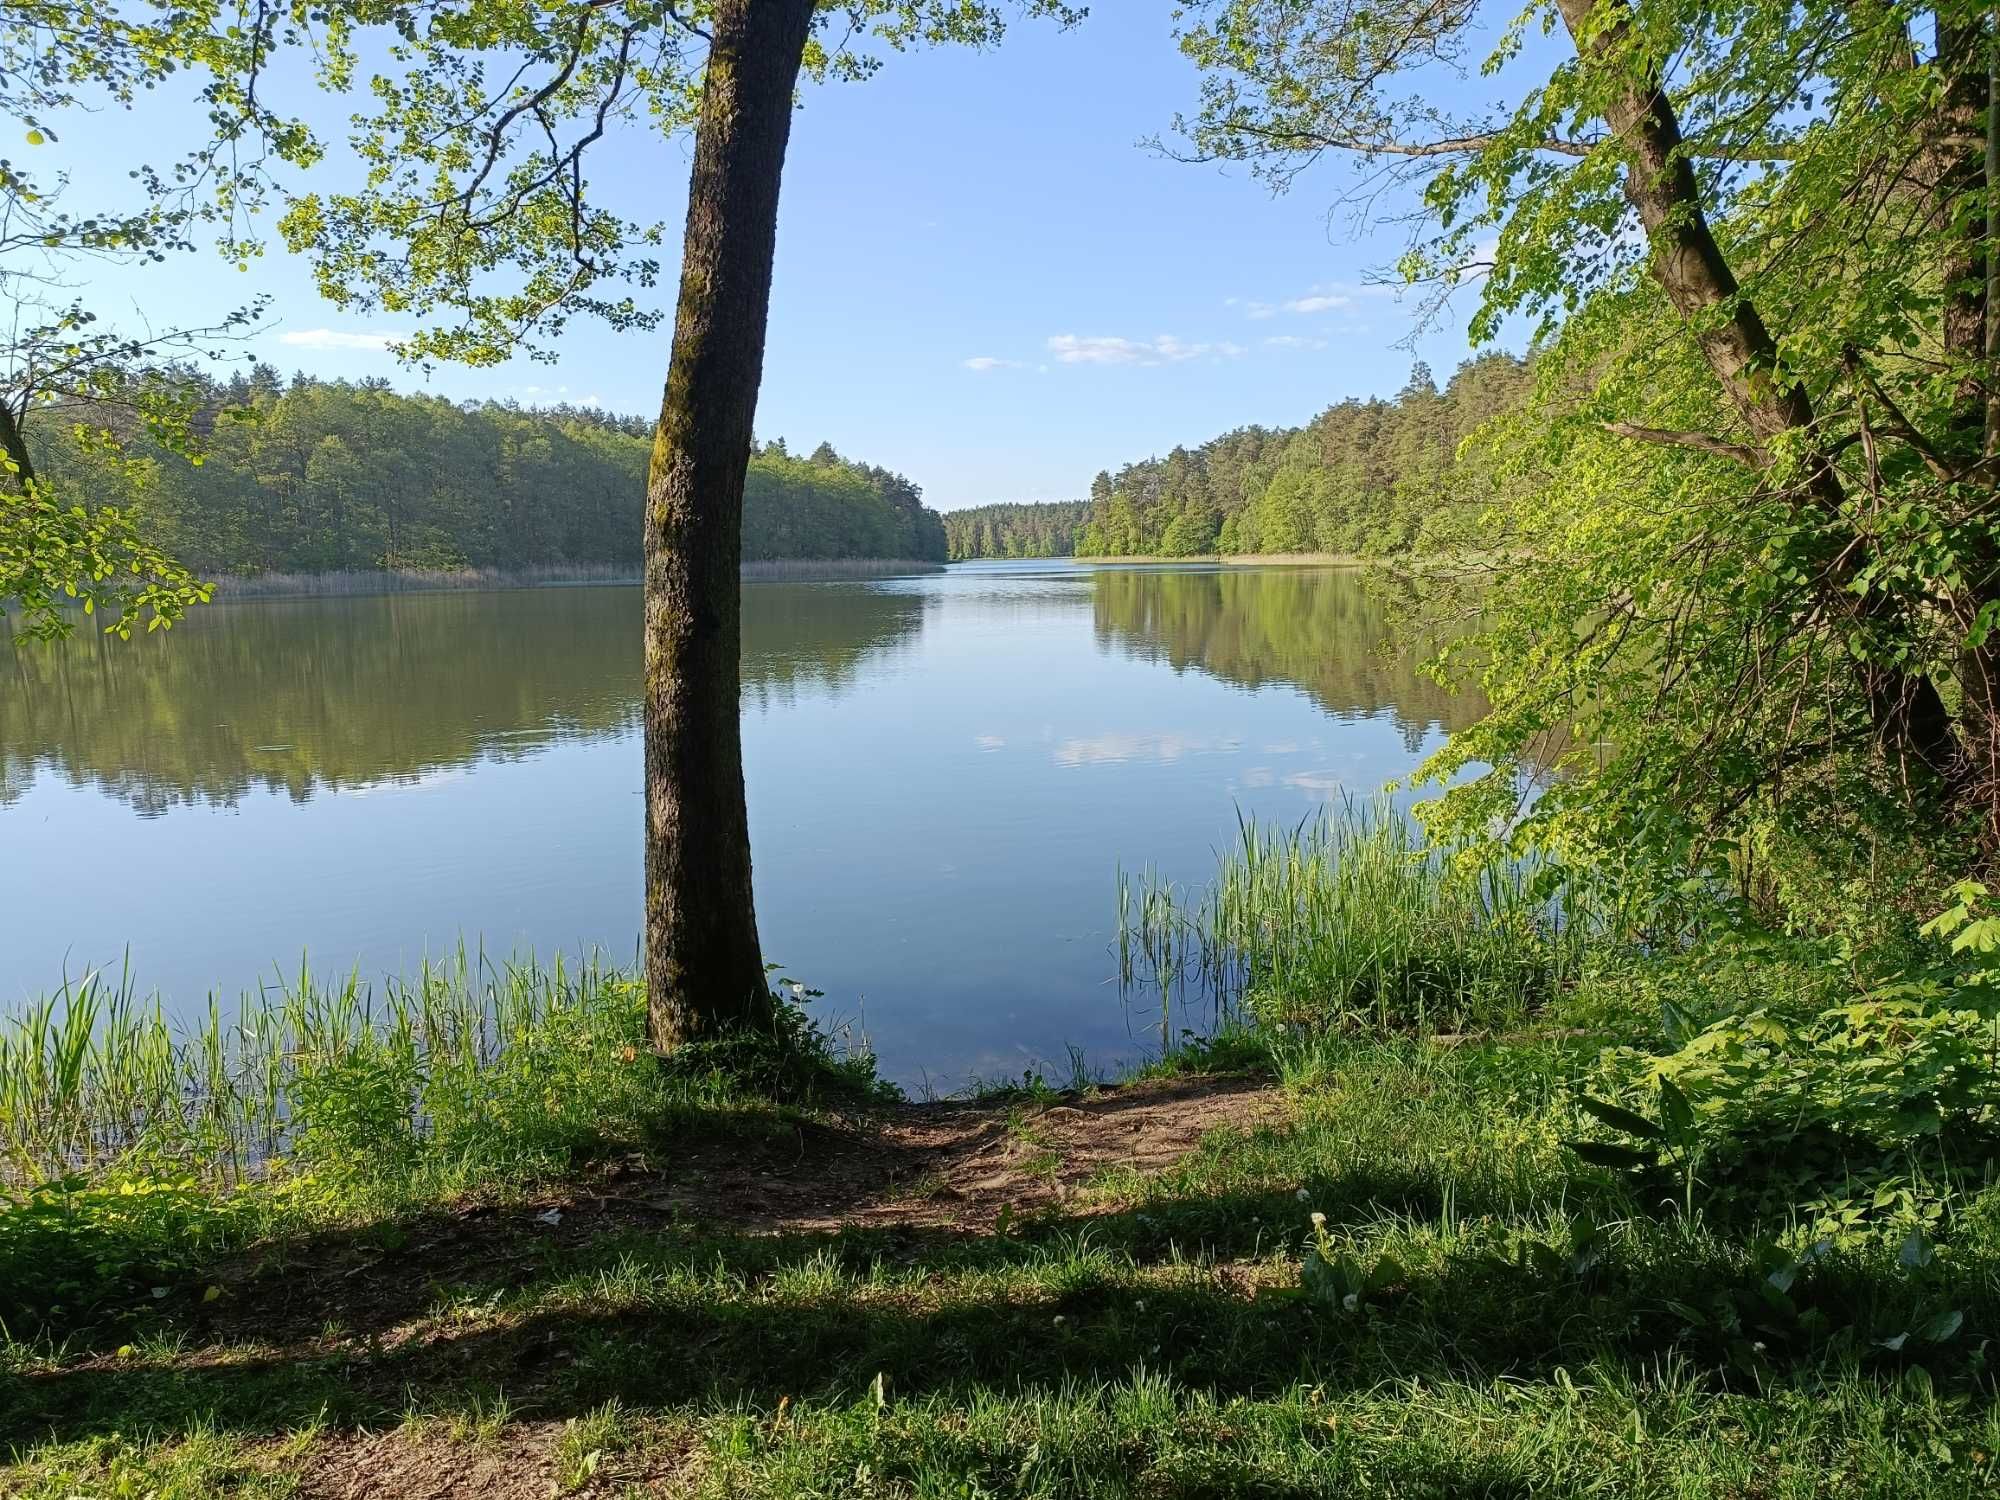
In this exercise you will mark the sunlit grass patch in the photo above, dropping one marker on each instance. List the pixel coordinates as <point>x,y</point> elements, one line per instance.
<point>1597,1430</point>
<point>197,1464</point>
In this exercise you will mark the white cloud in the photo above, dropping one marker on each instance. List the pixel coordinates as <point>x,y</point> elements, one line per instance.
<point>1080,349</point>
<point>1293,341</point>
<point>1072,349</point>
<point>1478,260</point>
<point>985,362</point>
<point>593,401</point>
<point>1315,783</point>
<point>330,338</point>
<point>1325,297</point>
<point>1114,747</point>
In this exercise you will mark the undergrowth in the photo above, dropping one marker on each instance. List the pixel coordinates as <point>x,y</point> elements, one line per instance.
<point>133,1151</point>
<point>1540,1214</point>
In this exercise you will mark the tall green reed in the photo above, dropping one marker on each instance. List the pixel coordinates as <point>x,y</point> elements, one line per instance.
<point>463,1059</point>
<point>1350,917</point>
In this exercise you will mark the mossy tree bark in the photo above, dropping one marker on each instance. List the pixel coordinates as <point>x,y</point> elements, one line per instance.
<point>704,967</point>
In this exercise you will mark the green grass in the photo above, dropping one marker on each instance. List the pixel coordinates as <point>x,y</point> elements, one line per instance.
<point>261,1251</point>
<point>1168,1340</point>
<point>132,1152</point>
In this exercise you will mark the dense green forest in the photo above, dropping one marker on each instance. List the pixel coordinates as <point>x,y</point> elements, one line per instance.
<point>1371,477</point>
<point>313,476</point>
<point>1036,529</point>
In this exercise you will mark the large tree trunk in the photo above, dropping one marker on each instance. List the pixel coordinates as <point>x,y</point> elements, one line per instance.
<point>1687,261</point>
<point>1954,171</point>
<point>704,968</point>
<point>1908,711</point>
<point>1951,169</point>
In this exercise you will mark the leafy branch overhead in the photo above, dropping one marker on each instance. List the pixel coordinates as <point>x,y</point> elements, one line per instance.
<point>1751,507</point>
<point>472,123</point>
<point>477,207</point>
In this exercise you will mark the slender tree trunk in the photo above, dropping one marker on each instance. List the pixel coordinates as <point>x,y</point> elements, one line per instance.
<point>1687,261</point>
<point>1954,171</point>
<point>1957,174</point>
<point>1908,711</point>
<point>1992,444</point>
<point>704,968</point>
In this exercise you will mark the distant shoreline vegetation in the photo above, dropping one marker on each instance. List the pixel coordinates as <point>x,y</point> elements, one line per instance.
<point>1364,479</point>
<point>1242,559</point>
<point>320,477</point>
<point>368,581</point>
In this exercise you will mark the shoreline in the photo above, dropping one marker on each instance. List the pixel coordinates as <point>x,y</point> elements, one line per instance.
<point>1253,559</point>
<point>361,583</point>
<point>1405,561</point>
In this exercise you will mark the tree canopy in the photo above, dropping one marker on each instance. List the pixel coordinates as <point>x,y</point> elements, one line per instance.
<point>1367,478</point>
<point>313,476</point>
<point>1752,498</point>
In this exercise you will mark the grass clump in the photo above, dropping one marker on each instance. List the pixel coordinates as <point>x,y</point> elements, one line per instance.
<point>133,1152</point>
<point>1350,919</point>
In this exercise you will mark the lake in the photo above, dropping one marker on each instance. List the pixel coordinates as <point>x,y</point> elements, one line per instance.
<point>946,773</point>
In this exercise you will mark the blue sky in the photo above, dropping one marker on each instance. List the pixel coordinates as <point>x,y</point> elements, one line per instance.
<point>983,279</point>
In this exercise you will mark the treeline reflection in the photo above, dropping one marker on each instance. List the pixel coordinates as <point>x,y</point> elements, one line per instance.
<point>306,696</point>
<point>1329,631</point>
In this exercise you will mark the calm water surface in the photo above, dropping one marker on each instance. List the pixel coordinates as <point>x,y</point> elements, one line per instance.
<point>945,774</point>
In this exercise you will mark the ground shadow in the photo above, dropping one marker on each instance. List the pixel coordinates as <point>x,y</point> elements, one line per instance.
<point>673,1315</point>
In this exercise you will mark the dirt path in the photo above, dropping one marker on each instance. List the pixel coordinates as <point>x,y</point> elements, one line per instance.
<point>952,1165</point>
<point>943,1167</point>
<point>946,1166</point>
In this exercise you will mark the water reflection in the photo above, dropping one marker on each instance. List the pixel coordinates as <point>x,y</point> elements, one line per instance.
<point>944,772</point>
<point>313,695</point>
<point>1328,631</point>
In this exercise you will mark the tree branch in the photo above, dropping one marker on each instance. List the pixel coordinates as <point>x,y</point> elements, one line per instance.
<point>1898,423</point>
<point>1742,453</point>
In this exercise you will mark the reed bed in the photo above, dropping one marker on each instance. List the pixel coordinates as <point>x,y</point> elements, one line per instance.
<point>464,1061</point>
<point>1349,917</point>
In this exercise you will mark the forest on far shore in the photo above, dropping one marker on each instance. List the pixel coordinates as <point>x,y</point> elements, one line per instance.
<point>312,476</point>
<point>1369,478</point>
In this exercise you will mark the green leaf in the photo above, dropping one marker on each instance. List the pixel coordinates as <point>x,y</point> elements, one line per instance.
<point>1675,1109</point>
<point>1619,1118</point>
<point>1388,1271</point>
<point>1942,1327</point>
<point>1604,1154</point>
